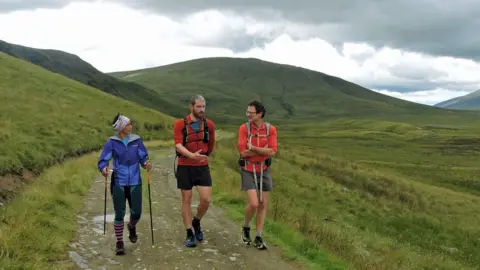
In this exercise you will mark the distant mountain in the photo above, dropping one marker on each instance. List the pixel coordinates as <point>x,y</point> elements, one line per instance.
<point>74,67</point>
<point>467,102</point>
<point>289,92</point>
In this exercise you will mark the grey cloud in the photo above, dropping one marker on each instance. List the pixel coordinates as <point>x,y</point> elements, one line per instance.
<point>404,86</point>
<point>417,77</point>
<point>239,39</point>
<point>14,5</point>
<point>407,86</point>
<point>428,26</point>
<point>359,57</point>
<point>417,72</point>
<point>236,41</point>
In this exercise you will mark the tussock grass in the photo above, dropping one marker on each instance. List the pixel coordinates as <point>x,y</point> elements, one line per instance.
<point>380,196</point>
<point>37,226</point>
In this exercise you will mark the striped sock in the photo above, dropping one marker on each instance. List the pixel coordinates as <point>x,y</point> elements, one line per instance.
<point>133,222</point>
<point>119,231</point>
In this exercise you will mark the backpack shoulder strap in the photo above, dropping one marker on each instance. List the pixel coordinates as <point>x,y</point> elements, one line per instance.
<point>248,129</point>
<point>267,126</point>
<point>206,134</point>
<point>185,131</point>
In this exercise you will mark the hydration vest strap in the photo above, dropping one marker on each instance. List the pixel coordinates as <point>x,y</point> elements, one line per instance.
<point>267,126</point>
<point>205,139</point>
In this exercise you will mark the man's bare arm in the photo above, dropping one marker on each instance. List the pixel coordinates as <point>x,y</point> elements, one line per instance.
<point>264,151</point>
<point>248,153</point>
<point>184,151</point>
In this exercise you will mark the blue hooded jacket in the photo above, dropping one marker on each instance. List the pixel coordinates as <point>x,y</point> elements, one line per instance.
<point>127,154</point>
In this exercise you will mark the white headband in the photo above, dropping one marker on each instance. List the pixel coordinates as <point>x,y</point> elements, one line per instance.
<point>121,123</point>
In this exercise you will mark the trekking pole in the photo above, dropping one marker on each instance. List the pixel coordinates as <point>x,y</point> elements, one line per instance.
<point>105,207</point>
<point>261,181</point>
<point>259,192</point>
<point>256,182</point>
<point>150,202</point>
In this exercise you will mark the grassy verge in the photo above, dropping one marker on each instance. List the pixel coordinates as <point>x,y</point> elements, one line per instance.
<point>37,226</point>
<point>228,195</point>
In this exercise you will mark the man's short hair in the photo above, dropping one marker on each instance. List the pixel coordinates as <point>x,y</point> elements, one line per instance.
<point>196,97</point>
<point>259,108</point>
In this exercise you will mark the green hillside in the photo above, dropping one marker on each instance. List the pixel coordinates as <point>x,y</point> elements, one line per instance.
<point>46,117</point>
<point>74,67</point>
<point>289,92</point>
<point>467,102</point>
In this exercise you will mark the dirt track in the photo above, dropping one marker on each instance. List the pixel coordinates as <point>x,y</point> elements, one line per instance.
<point>221,249</point>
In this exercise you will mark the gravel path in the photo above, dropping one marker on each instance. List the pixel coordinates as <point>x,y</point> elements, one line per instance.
<point>221,249</point>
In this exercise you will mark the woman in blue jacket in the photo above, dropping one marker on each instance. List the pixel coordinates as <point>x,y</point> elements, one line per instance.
<point>127,151</point>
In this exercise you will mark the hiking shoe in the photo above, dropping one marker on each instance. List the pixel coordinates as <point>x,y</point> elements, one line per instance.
<point>133,233</point>
<point>190,241</point>
<point>246,235</point>
<point>197,229</point>
<point>120,249</point>
<point>259,243</point>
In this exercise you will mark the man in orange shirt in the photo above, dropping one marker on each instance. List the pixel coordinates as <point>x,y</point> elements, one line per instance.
<point>194,138</point>
<point>257,144</point>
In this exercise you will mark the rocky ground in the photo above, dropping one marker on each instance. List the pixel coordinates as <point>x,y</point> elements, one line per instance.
<point>221,249</point>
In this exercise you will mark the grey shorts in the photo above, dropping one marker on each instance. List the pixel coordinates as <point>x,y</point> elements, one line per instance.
<point>248,181</point>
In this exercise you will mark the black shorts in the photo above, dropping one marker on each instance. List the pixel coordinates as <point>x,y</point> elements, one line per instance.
<point>190,176</point>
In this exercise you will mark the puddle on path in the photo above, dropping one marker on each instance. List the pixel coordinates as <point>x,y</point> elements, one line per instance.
<point>108,218</point>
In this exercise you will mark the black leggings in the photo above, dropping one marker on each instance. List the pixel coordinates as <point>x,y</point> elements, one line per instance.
<point>133,194</point>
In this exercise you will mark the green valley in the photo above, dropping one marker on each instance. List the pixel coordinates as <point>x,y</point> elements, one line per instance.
<point>379,182</point>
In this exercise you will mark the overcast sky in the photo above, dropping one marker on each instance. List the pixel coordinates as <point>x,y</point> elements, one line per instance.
<point>425,51</point>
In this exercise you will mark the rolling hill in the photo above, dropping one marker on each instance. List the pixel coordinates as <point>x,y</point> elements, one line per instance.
<point>46,117</point>
<point>74,67</point>
<point>289,92</point>
<point>467,102</point>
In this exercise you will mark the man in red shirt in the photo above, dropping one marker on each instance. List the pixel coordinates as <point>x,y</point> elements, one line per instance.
<point>257,144</point>
<point>192,168</point>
